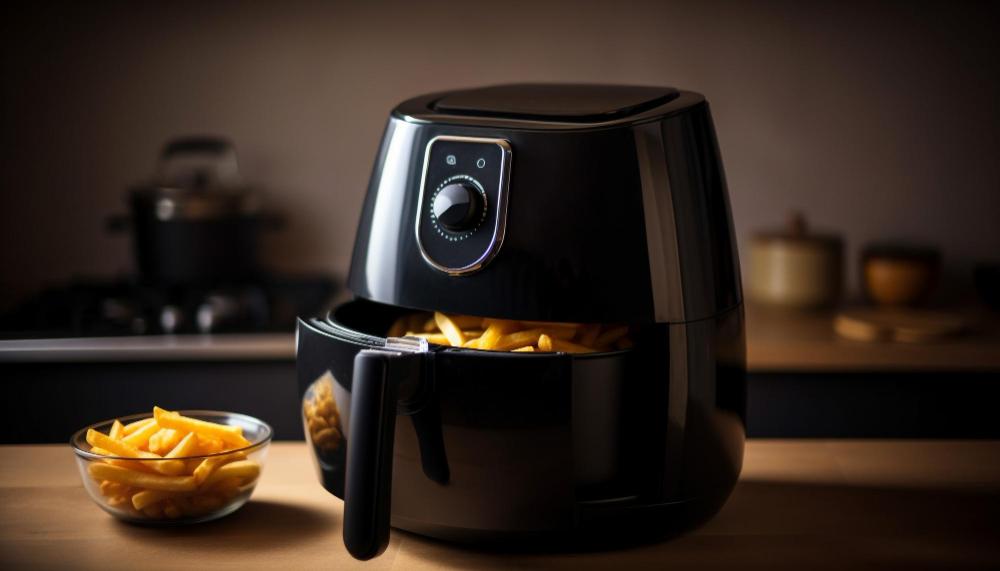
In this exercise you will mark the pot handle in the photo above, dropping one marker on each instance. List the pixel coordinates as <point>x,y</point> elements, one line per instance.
<point>381,379</point>
<point>198,161</point>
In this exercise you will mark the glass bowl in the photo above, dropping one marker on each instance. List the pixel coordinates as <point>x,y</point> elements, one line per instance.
<point>144,495</point>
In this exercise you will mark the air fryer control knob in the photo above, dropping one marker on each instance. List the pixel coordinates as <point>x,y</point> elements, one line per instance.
<point>459,207</point>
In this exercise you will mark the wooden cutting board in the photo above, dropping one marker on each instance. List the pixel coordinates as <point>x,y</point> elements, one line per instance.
<point>901,325</point>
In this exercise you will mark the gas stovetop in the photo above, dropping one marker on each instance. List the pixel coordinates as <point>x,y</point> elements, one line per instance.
<point>99,308</point>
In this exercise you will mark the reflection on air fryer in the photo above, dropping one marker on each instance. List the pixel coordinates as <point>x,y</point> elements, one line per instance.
<point>322,417</point>
<point>507,335</point>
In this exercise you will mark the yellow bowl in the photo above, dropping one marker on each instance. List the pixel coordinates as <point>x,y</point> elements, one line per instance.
<point>183,507</point>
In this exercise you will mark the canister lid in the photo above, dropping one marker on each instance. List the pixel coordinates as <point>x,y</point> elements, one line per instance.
<point>798,232</point>
<point>554,102</point>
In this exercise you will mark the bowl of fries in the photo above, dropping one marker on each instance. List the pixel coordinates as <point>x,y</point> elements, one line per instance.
<point>172,467</point>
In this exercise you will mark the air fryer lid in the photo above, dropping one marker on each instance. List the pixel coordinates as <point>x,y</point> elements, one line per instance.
<point>555,102</point>
<point>608,220</point>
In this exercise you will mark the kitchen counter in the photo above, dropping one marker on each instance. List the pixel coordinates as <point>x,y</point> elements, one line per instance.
<point>806,504</point>
<point>217,347</point>
<point>777,341</point>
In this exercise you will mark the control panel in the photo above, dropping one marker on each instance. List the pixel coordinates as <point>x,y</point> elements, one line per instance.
<point>462,209</point>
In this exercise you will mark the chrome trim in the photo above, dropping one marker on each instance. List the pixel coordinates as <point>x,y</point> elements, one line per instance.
<point>496,241</point>
<point>407,344</point>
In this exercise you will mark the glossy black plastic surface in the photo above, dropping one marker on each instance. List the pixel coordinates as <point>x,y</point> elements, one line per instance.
<point>616,212</point>
<point>378,376</point>
<point>624,220</point>
<point>458,207</point>
<point>648,440</point>
<point>554,102</point>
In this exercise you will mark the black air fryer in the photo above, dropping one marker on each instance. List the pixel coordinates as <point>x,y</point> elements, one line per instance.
<point>563,203</point>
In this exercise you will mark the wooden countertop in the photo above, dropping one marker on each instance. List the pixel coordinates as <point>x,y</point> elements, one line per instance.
<point>802,341</point>
<point>799,505</point>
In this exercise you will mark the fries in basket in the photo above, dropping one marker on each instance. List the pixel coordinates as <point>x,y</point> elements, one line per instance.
<point>506,335</point>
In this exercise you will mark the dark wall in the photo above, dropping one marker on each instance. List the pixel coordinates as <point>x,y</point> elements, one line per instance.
<point>878,118</point>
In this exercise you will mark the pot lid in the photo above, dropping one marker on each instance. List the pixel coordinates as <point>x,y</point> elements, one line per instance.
<point>797,230</point>
<point>196,178</point>
<point>554,102</point>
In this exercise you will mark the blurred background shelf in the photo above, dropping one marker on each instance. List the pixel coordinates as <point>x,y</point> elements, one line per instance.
<point>795,341</point>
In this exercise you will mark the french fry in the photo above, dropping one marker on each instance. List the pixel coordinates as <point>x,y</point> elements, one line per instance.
<point>546,343</point>
<point>130,464</point>
<point>154,443</point>
<point>209,465</point>
<point>116,501</point>
<point>517,339</point>
<point>526,349</point>
<point>120,448</point>
<point>109,488</point>
<point>133,426</point>
<point>149,497</point>
<point>209,445</point>
<point>136,479</point>
<point>188,446</point>
<point>528,337</point>
<point>232,435</point>
<point>398,328</point>
<point>495,329</point>
<point>170,438</point>
<point>246,470</point>
<point>117,430</point>
<point>140,438</point>
<point>450,329</point>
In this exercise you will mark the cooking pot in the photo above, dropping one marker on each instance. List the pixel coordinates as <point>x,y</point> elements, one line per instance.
<point>196,222</point>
